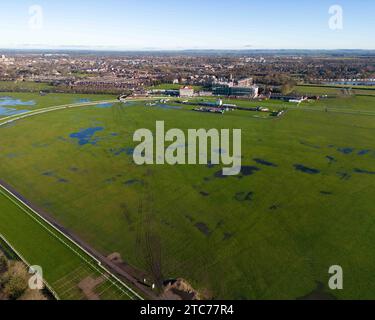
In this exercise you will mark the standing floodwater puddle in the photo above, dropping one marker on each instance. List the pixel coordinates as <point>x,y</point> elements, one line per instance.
<point>7,105</point>
<point>12,102</point>
<point>302,168</point>
<point>86,136</point>
<point>104,105</point>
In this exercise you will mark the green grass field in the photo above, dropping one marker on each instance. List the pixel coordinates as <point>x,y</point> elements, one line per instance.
<point>64,264</point>
<point>273,234</point>
<point>20,86</point>
<point>35,101</point>
<point>335,90</point>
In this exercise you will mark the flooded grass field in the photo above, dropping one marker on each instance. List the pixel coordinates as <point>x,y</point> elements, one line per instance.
<point>303,201</point>
<point>18,103</point>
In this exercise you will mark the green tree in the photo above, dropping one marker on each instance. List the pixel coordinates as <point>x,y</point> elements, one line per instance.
<point>288,87</point>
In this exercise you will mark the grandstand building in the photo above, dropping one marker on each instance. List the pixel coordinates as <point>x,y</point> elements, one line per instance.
<point>250,91</point>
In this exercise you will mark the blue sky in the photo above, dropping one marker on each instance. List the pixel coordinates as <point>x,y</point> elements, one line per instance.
<point>192,24</point>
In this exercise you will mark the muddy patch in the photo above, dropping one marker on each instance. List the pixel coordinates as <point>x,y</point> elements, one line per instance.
<point>88,286</point>
<point>180,289</point>
<point>202,227</point>
<point>304,169</point>
<point>265,162</point>
<point>115,257</point>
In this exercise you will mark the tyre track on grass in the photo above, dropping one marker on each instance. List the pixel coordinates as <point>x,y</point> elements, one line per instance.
<point>147,240</point>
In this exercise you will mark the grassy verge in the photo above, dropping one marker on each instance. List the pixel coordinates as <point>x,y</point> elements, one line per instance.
<point>24,86</point>
<point>64,264</point>
<point>335,90</point>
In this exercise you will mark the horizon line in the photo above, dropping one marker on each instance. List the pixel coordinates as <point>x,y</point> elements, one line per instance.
<point>113,49</point>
